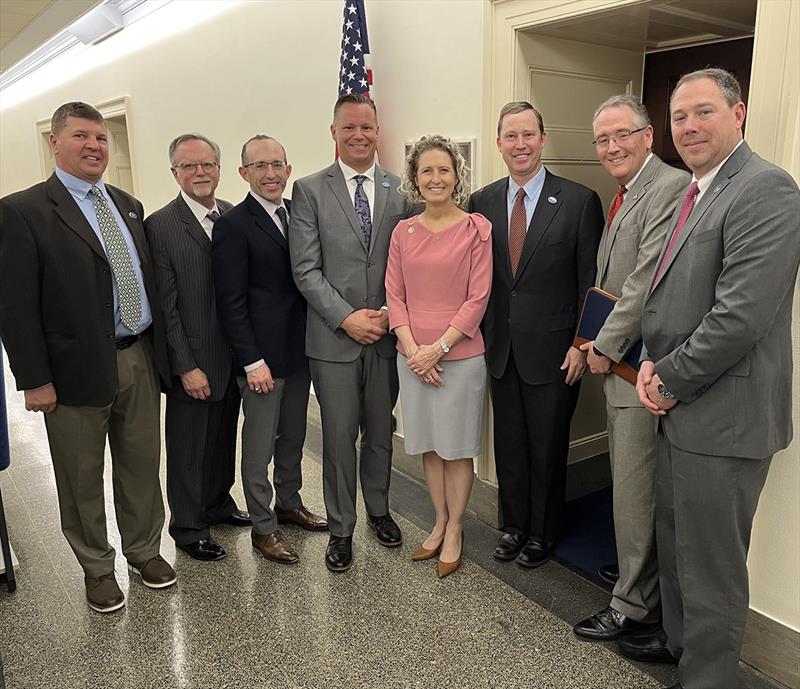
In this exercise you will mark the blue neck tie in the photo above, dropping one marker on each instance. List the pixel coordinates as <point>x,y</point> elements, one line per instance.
<point>362,209</point>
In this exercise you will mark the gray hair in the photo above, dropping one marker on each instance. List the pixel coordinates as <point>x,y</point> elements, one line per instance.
<point>409,186</point>
<point>625,100</point>
<point>727,83</point>
<point>178,140</point>
<point>261,137</point>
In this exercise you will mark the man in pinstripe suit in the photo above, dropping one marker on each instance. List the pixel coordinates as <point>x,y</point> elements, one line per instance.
<point>203,403</point>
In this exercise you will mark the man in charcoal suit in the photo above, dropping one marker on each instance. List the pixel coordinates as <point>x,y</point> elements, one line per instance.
<point>202,403</point>
<point>263,317</point>
<point>545,232</point>
<point>638,217</point>
<point>717,370</point>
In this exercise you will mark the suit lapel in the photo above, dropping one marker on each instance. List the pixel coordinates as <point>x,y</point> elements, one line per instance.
<point>498,212</point>
<point>265,223</point>
<point>634,195</point>
<point>72,216</point>
<point>543,214</point>
<point>339,188</point>
<point>379,202</point>
<point>193,228</point>
<point>722,179</point>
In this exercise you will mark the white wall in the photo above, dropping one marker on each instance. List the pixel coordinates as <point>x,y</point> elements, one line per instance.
<point>270,67</point>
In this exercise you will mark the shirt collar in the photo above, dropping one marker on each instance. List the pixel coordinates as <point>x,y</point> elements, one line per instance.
<point>266,204</point>
<point>349,172</point>
<point>532,187</point>
<point>198,209</point>
<point>705,181</point>
<point>630,184</point>
<point>78,187</point>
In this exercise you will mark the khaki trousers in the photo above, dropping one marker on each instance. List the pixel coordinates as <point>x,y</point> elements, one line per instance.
<point>77,437</point>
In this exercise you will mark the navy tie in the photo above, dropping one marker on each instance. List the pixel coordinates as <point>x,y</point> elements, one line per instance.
<point>281,213</point>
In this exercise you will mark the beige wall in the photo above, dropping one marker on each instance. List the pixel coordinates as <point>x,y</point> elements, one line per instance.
<point>269,67</point>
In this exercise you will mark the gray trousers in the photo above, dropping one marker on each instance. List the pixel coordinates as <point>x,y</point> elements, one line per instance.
<point>274,424</point>
<point>632,447</point>
<point>352,395</point>
<point>704,516</point>
<point>77,437</point>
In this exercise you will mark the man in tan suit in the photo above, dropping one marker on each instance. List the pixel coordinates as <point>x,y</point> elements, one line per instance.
<point>637,221</point>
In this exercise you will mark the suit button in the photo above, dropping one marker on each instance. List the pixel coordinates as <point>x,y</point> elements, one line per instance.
<point>111,336</point>
<point>108,305</point>
<point>513,293</point>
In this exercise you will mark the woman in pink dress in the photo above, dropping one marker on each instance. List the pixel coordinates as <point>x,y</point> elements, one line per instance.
<point>437,286</point>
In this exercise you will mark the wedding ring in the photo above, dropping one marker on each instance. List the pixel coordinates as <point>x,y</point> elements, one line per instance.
<point>258,389</point>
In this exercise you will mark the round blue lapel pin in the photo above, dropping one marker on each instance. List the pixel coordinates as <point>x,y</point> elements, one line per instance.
<point>386,184</point>
<point>552,199</point>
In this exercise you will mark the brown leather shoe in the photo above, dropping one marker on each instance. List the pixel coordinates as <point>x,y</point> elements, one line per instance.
<point>103,593</point>
<point>303,518</point>
<point>274,547</point>
<point>156,573</point>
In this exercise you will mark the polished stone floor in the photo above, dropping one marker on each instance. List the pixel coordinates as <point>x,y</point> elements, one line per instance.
<point>246,623</point>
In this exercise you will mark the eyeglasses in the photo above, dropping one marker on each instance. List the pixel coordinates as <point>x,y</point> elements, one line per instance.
<point>619,137</point>
<point>207,166</point>
<point>276,165</point>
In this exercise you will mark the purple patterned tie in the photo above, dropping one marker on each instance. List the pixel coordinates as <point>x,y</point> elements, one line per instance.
<point>362,208</point>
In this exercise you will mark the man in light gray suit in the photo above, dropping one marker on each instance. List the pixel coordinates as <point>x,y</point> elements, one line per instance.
<point>203,402</point>
<point>638,218</point>
<point>717,370</point>
<point>342,220</point>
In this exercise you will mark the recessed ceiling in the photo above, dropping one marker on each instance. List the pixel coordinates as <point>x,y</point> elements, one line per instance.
<point>660,24</point>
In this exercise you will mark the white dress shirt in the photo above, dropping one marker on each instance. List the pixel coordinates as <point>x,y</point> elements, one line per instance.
<point>272,210</point>
<point>705,181</point>
<point>200,212</point>
<point>368,184</point>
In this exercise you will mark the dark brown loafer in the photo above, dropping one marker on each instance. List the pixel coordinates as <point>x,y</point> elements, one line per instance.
<point>156,573</point>
<point>274,547</point>
<point>302,517</point>
<point>103,593</point>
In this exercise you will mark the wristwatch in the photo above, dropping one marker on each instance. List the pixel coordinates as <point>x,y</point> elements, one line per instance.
<point>445,347</point>
<point>666,394</point>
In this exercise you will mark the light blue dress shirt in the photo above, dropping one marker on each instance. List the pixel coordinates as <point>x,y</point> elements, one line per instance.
<point>533,189</point>
<point>79,190</point>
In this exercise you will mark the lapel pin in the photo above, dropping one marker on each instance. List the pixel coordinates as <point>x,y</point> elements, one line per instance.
<point>133,215</point>
<point>386,184</point>
<point>717,188</point>
<point>552,199</point>
<point>410,229</point>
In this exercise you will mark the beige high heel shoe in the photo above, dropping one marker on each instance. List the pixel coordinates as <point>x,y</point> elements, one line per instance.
<point>447,568</point>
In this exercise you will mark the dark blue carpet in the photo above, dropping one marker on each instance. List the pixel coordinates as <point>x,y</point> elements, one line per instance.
<point>588,537</point>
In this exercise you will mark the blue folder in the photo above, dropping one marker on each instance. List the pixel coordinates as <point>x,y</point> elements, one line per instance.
<point>597,306</point>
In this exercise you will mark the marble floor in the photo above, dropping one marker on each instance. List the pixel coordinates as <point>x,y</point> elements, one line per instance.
<point>246,623</point>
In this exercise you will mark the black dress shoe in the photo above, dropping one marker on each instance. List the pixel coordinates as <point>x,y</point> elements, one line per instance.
<point>609,625</point>
<point>609,574</point>
<point>339,553</point>
<point>237,518</point>
<point>204,549</point>
<point>650,648</point>
<point>509,545</point>
<point>386,530</point>
<point>535,553</point>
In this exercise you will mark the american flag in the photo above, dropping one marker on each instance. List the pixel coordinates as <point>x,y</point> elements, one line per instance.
<point>355,70</point>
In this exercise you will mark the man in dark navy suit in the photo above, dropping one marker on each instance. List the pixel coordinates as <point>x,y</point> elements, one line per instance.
<point>263,317</point>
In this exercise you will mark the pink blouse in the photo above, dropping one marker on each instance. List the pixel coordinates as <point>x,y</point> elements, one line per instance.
<point>437,280</point>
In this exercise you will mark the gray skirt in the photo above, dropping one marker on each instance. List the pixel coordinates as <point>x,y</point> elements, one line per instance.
<point>447,420</point>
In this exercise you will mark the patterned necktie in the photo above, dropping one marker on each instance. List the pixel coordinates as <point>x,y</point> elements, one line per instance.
<point>615,204</point>
<point>213,216</point>
<point>281,213</point>
<point>686,209</point>
<point>130,304</point>
<point>517,230</point>
<point>362,208</point>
